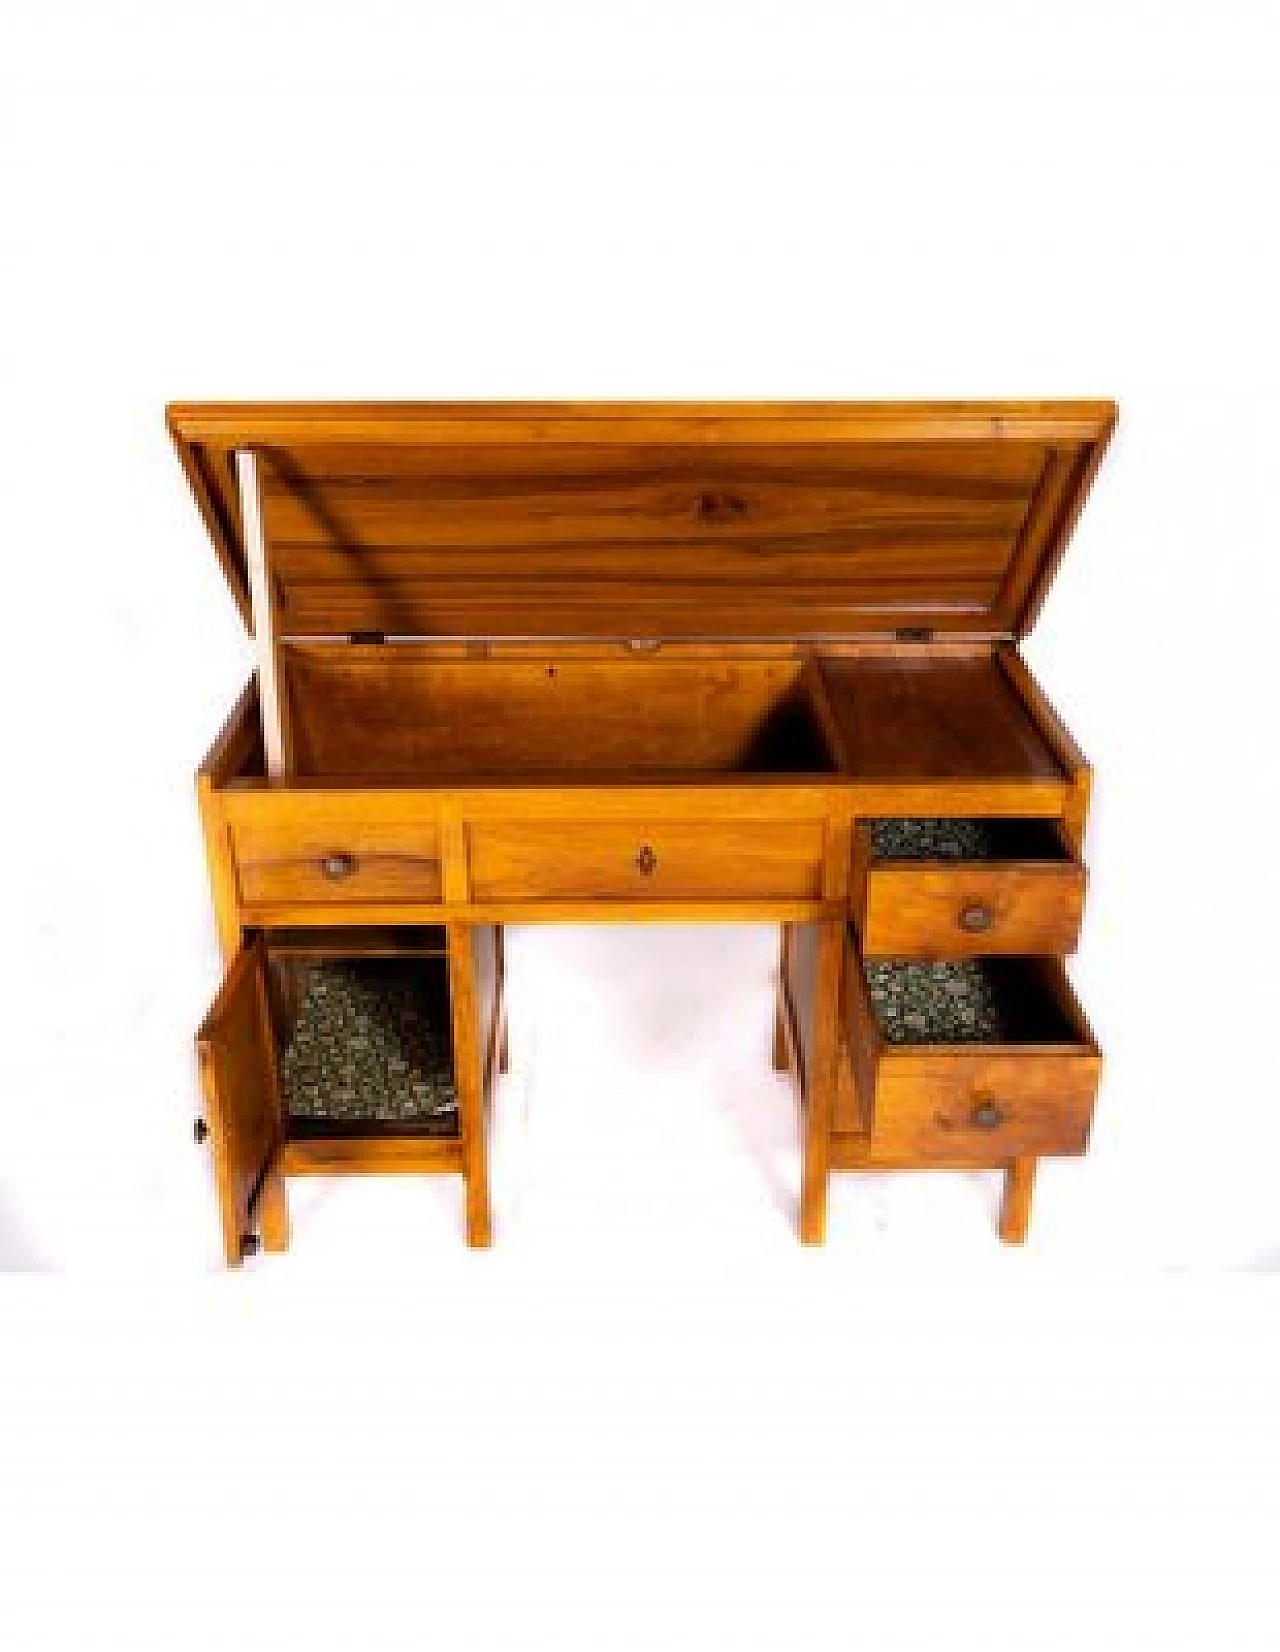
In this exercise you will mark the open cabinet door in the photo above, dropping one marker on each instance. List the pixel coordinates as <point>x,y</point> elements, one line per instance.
<point>238,1075</point>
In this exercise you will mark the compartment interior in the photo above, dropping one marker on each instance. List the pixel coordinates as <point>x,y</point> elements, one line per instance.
<point>939,839</point>
<point>970,1001</point>
<point>933,718</point>
<point>364,1033</point>
<point>395,712</point>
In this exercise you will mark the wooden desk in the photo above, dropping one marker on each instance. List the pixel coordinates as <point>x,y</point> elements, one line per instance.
<point>638,663</point>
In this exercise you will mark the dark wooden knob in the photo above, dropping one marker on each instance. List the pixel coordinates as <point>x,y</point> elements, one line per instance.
<point>987,1116</point>
<point>976,918</point>
<point>200,1130</point>
<point>646,861</point>
<point>250,1244</point>
<point>338,864</point>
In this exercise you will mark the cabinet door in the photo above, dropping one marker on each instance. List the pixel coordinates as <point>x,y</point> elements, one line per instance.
<point>237,1056</point>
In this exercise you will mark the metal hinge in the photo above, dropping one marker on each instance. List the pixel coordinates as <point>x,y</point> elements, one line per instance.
<point>914,633</point>
<point>367,636</point>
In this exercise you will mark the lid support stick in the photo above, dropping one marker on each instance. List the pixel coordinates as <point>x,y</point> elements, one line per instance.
<point>255,544</point>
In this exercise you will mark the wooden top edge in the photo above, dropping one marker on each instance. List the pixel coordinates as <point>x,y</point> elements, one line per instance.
<point>247,423</point>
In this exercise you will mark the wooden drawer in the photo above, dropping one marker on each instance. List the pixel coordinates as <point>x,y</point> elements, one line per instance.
<point>335,853</point>
<point>970,888</point>
<point>657,860</point>
<point>1021,1078</point>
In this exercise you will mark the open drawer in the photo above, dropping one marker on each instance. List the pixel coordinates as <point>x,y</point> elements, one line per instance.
<point>335,1050</point>
<point>972,1062</point>
<point>955,888</point>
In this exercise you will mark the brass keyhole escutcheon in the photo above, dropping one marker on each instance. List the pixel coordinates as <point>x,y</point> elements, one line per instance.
<point>338,865</point>
<point>976,918</point>
<point>646,861</point>
<point>987,1115</point>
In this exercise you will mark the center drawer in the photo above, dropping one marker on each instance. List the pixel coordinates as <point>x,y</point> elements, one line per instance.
<point>941,888</point>
<point>654,860</point>
<point>970,1062</point>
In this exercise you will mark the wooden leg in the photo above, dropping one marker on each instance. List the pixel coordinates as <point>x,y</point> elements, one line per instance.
<point>273,1213</point>
<point>1015,1210</point>
<point>780,1062</point>
<point>820,1084</point>
<point>468,1073</point>
<point>779,1030</point>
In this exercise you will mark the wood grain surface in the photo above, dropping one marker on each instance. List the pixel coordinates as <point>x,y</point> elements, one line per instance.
<point>649,520</point>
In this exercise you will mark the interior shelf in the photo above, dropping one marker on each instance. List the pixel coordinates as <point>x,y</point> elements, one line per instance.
<point>369,1049</point>
<point>934,719</point>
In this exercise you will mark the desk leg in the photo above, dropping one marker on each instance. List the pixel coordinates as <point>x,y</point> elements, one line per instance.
<point>780,1062</point>
<point>468,1077</point>
<point>273,1212</point>
<point>820,1084</point>
<point>1015,1210</point>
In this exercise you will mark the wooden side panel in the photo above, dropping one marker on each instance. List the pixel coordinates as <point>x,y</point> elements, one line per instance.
<point>238,748</point>
<point>957,912</point>
<point>1060,741</point>
<point>237,1059</point>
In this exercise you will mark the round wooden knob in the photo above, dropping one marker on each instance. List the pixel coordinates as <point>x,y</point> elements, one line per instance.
<point>646,861</point>
<point>250,1244</point>
<point>200,1130</point>
<point>338,864</point>
<point>987,1116</point>
<point>976,918</point>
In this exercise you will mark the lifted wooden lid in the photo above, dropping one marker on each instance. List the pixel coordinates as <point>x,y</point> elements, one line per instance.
<point>649,520</point>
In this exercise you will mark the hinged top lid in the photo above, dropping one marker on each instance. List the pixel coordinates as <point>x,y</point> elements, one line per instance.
<point>662,520</point>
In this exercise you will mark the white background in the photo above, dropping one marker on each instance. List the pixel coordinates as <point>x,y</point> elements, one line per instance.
<point>647,1417</point>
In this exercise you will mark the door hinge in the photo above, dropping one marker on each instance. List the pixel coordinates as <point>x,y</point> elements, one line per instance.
<point>914,633</point>
<point>367,636</point>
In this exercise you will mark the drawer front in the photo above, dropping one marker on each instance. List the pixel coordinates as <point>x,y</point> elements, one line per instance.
<point>663,860</point>
<point>989,1105</point>
<point>965,1106</point>
<point>968,910</point>
<point>340,855</point>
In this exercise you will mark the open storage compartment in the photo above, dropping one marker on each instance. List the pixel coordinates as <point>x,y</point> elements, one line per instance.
<point>331,1050</point>
<point>947,842</point>
<point>942,887</point>
<point>399,713</point>
<point>920,714</point>
<point>363,1034</point>
<point>971,1061</point>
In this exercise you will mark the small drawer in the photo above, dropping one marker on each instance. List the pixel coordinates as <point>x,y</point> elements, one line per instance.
<point>970,1062</point>
<point>966,888</point>
<point>341,855</point>
<point>662,860</point>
